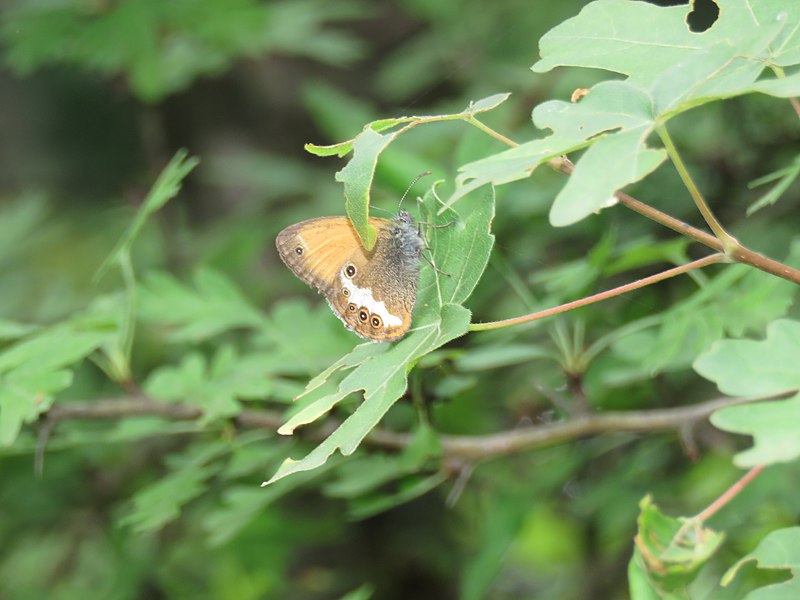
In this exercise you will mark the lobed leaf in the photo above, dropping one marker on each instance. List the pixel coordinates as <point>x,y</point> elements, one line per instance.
<point>669,69</point>
<point>779,550</point>
<point>759,368</point>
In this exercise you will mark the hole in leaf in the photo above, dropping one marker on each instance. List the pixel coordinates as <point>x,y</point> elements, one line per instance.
<point>704,15</point>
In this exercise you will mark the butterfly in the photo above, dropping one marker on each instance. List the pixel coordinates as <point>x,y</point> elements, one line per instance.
<point>373,293</point>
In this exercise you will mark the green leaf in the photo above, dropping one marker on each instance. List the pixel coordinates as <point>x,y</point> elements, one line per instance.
<point>211,307</point>
<point>357,174</point>
<point>363,593</point>
<point>609,164</point>
<point>164,189</point>
<point>671,551</point>
<point>755,368</point>
<point>158,504</point>
<point>671,70</point>
<point>487,358</point>
<point>409,488</point>
<point>759,368</point>
<point>361,475</point>
<point>773,425</point>
<point>243,504</point>
<point>34,369</point>
<point>162,47</point>
<point>779,550</point>
<point>215,387</point>
<point>24,396</point>
<point>605,31</point>
<point>357,179</point>
<point>461,250</point>
<point>785,177</point>
<point>10,330</point>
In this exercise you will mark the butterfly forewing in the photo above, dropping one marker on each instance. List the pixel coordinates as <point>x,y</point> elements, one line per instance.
<point>373,293</point>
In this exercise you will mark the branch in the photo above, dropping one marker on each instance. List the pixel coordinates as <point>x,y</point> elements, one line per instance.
<point>453,446</point>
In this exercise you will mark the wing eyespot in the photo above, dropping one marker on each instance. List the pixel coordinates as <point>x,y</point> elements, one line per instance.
<point>351,308</point>
<point>350,270</point>
<point>345,292</point>
<point>363,315</point>
<point>299,251</point>
<point>376,322</point>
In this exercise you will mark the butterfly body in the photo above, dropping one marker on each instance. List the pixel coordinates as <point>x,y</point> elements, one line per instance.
<point>373,293</point>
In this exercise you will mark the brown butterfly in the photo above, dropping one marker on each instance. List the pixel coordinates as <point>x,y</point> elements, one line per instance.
<point>373,293</point>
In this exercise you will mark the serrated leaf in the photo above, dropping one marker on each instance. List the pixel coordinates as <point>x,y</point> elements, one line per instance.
<point>461,250</point>
<point>215,387</point>
<point>24,396</point>
<point>211,307</point>
<point>779,550</point>
<point>671,551</point>
<point>158,504</point>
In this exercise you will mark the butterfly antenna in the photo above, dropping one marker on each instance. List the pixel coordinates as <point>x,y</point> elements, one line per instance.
<point>408,189</point>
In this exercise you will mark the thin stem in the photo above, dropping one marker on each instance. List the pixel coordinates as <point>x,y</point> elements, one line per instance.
<point>780,73</point>
<point>702,262</point>
<point>472,120</point>
<point>728,242</point>
<point>729,494</point>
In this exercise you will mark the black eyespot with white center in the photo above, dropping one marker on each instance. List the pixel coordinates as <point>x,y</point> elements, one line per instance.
<point>363,315</point>
<point>350,270</point>
<point>376,322</point>
<point>345,292</point>
<point>299,251</point>
<point>352,307</point>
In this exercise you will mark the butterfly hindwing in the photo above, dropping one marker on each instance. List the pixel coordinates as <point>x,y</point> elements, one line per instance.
<point>373,293</point>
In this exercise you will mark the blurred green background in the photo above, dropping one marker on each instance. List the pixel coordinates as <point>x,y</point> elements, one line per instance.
<point>97,95</point>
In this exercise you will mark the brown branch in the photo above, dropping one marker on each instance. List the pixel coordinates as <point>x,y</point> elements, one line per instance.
<point>453,446</point>
<point>738,253</point>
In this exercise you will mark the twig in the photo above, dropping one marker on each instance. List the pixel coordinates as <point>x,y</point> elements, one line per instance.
<point>628,287</point>
<point>453,446</point>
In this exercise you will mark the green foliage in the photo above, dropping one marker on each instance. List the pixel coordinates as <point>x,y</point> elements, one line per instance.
<point>161,47</point>
<point>759,368</point>
<point>673,71</point>
<point>504,460</point>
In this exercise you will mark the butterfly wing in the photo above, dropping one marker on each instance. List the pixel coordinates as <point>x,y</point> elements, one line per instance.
<point>373,293</point>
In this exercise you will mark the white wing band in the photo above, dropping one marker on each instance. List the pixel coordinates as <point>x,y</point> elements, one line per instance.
<point>363,297</point>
